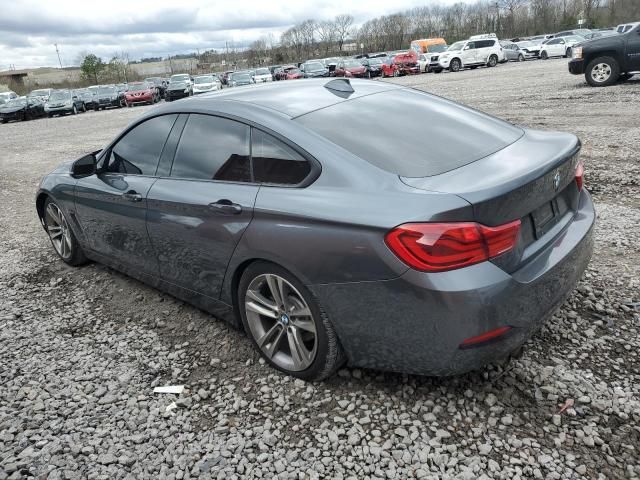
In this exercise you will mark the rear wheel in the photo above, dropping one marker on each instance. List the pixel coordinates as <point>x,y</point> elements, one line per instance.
<point>493,61</point>
<point>455,65</point>
<point>286,324</point>
<point>62,238</point>
<point>74,110</point>
<point>602,72</point>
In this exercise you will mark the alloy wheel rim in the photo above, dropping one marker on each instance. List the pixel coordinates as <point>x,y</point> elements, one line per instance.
<point>281,322</point>
<point>58,230</point>
<point>601,72</point>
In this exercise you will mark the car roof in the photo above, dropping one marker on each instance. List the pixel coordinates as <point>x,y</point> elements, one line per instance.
<point>289,98</point>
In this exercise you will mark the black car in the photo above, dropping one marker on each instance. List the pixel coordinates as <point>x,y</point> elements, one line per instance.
<point>607,60</point>
<point>108,96</point>
<point>87,97</point>
<point>373,66</point>
<point>62,102</point>
<point>179,87</point>
<point>314,70</point>
<point>21,108</point>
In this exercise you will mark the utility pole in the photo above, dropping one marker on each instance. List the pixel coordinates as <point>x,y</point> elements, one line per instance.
<point>58,52</point>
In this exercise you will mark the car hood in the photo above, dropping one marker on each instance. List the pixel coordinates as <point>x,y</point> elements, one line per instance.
<point>136,92</point>
<point>356,69</point>
<point>610,41</point>
<point>203,85</point>
<point>106,95</point>
<point>10,109</point>
<point>177,86</point>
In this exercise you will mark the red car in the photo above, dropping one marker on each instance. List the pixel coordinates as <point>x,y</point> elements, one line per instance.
<point>141,92</point>
<point>401,64</point>
<point>350,68</point>
<point>289,73</point>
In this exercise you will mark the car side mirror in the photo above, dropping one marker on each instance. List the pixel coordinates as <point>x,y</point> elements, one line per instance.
<point>467,47</point>
<point>84,166</point>
<point>74,97</point>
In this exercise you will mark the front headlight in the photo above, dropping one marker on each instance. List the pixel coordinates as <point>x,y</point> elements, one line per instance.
<point>186,90</point>
<point>115,97</point>
<point>577,53</point>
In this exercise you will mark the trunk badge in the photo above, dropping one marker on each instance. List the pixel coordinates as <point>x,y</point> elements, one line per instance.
<point>556,180</point>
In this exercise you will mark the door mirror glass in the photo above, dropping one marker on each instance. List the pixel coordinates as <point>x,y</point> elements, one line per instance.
<point>84,166</point>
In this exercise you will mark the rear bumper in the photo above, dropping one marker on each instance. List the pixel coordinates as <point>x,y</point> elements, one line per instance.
<point>416,323</point>
<point>576,66</point>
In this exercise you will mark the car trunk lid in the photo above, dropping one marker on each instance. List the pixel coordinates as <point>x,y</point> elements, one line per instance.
<point>532,180</point>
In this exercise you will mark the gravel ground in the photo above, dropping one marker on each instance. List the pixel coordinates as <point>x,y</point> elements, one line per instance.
<point>81,349</point>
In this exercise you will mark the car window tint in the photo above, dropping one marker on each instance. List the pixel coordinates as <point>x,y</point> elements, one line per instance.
<point>138,152</point>
<point>275,162</point>
<point>464,135</point>
<point>213,148</point>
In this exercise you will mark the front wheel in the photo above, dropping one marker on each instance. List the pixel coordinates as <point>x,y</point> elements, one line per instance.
<point>544,55</point>
<point>567,53</point>
<point>396,73</point>
<point>521,58</point>
<point>84,108</point>
<point>602,72</point>
<point>455,65</point>
<point>74,110</point>
<point>62,238</point>
<point>286,324</point>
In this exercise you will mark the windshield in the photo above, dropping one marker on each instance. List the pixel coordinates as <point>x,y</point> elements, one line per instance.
<point>263,71</point>
<point>352,64</point>
<point>138,86</point>
<point>292,71</point>
<point>40,92</point>
<point>179,78</point>
<point>525,44</point>
<point>456,46</point>
<point>63,95</point>
<point>436,48</point>
<point>375,61</point>
<point>207,79</point>
<point>16,102</point>
<point>241,77</point>
<point>106,90</point>
<point>574,38</point>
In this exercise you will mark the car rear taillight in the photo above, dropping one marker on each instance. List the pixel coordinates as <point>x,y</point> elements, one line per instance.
<point>580,175</point>
<point>438,247</point>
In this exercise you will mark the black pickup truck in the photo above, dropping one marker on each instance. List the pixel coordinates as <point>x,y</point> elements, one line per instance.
<point>607,60</point>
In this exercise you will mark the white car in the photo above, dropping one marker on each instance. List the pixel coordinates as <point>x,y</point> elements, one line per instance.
<point>262,75</point>
<point>560,47</point>
<point>479,50</point>
<point>423,62</point>
<point>205,83</point>
<point>6,96</point>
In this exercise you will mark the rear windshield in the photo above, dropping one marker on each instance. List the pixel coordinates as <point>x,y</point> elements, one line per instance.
<point>418,135</point>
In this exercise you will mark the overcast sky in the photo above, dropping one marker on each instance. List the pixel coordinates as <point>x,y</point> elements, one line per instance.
<point>151,28</point>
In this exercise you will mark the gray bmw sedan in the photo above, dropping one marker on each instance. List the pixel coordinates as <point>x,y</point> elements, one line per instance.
<point>309,215</point>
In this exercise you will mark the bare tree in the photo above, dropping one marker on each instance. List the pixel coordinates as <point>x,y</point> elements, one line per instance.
<point>344,25</point>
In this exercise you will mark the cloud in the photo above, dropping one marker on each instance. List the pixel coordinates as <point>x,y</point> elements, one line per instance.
<point>29,28</point>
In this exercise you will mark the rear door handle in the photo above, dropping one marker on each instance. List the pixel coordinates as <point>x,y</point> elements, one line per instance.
<point>226,207</point>
<point>132,196</point>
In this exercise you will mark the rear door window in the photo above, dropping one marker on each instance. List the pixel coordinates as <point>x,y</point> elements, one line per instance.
<point>459,135</point>
<point>213,148</point>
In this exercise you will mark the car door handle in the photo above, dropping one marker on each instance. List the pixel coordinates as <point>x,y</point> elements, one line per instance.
<point>132,196</point>
<point>226,207</point>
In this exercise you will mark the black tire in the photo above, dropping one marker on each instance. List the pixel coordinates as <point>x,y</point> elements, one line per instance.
<point>437,70</point>
<point>396,73</point>
<point>329,355</point>
<point>96,109</point>
<point>4,120</point>
<point>521,58</point>
<point>602,64</point>
<point>567,53</point>
<point>493,61</point>
<point>76,256</point>
<point>84,108</point>
<point>454,65</point>
<point>544,55</point>
<point>473,67</point>
<point>74,109</point>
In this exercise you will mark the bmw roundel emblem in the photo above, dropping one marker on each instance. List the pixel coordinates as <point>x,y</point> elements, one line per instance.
<point>556,180</point>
